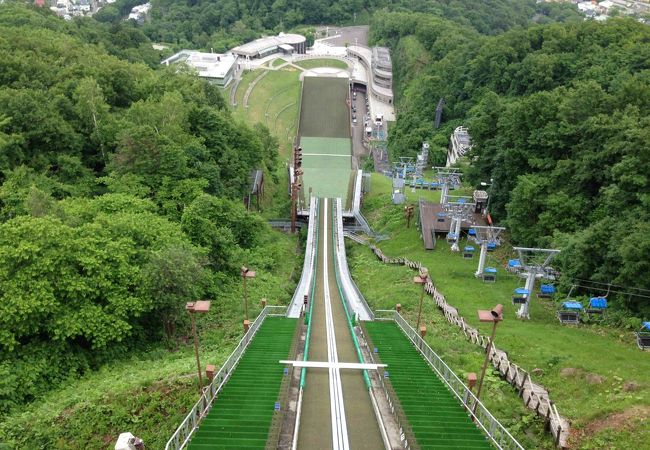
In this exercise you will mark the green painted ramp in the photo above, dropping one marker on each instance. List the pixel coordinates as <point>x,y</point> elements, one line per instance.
<point>435,415</point>
<point>241,415</point>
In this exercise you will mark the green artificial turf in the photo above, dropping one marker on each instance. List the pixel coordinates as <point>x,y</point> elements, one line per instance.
<point>436,417</point>
<point>242,413</point>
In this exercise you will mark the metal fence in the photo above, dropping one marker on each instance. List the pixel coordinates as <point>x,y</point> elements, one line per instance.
<point>187,428</point>
<point>499,436</point>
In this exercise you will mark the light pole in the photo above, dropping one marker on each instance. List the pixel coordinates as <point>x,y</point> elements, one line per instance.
<point>421,279</point>
<point>201,306</point>
<point>246,273</point>
<point>495,316</point>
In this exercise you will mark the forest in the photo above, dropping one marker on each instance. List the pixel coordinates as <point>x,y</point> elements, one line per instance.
<point>223,24</point>
<point>121,181</point>
<point>120,199</point>
<point>559,119</point>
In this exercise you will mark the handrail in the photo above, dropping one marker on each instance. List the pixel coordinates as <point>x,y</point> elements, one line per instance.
<point>345,302</point>
<point>308,271</point>
<point>184,432</point>
<point>303,372</point>
<point>349,286</point>
<point>497,433</point>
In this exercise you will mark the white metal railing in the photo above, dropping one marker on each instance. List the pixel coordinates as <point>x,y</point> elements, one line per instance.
<point>308,276</point>
<point>184,432</point>
<point>497,433</point>
<point>353,297</point>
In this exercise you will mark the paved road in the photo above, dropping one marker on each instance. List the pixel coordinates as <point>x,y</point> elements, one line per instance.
<point>357,35</point>
<point>358,149</point>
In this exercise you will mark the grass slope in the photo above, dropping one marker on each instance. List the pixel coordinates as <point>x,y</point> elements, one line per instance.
<point>593,373</point>
<point>150,393</point>
<point>322,62</point>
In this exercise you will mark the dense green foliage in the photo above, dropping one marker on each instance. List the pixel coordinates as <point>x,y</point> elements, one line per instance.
<point>559,119</point>
<point>224,24</point>
<point>119,198</point>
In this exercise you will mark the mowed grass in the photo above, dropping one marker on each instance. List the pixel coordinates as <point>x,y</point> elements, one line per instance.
<point>322,62</point>
<point>324,109</point>
<point>274,102</point>
<point>604,372</point>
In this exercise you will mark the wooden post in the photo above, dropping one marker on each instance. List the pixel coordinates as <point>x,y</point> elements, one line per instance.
<point>209,372</point>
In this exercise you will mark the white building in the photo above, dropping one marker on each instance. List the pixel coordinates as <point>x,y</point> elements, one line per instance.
<point>460,143</point>
<point>282,43</point>
<point>214,67</point>
<point>139,12</point>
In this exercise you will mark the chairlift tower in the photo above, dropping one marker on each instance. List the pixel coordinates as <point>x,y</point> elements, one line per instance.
<point>484,236</point>
<point>405,162</point>
<point>460,211</point>
<point>447,177</point>
<point>421,160</point>
<point>535,263</point>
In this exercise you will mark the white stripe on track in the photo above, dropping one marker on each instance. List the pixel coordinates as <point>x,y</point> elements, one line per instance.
<point>337,409</point>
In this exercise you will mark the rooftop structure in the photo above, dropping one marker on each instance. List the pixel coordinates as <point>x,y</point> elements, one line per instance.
<point>382,68</point>
<point>215,67</point>
<point>139,12</point>
<point>282,43</point>
<point>377,63</point>
<point>460,143</point>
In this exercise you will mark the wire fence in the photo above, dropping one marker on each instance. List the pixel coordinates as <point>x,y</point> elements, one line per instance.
<point>184,432</point>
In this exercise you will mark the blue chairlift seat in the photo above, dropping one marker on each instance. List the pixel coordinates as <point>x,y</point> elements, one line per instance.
<point>546,291</point>
<point>471,232</point>
<point>468,252</point>
<point>520,296</point>
<point>570,312</point>
<point>452,237</point>
<point>490,275</point>
<point>441,216</point>
<point>597,305</point>
<point>643,336</point>
<point>491,246</point>
<point>514,265</point>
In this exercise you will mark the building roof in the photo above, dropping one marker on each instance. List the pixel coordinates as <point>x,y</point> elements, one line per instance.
<point>209,65</point>
<point>381,58</point>
<point>268,43</point>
